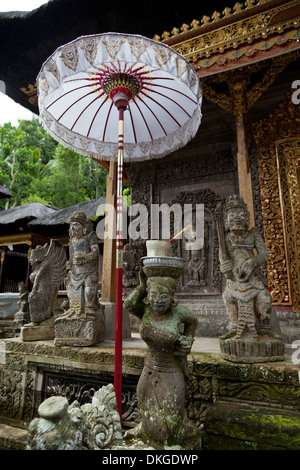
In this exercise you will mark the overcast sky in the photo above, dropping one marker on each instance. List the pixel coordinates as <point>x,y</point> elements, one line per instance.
<point>10,111</point>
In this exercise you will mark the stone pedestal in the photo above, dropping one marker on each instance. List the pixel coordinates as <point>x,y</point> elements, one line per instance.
<point>109,314</point>
<point>249,350</point>
<point>42,332</point>
<point>79,330</point>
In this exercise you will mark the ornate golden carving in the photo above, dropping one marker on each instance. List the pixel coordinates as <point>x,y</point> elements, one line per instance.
<point>241,99</point>
<point>288,162</point>
<point>247,23</point>
<point>31,92</point>
<point>283,124</point>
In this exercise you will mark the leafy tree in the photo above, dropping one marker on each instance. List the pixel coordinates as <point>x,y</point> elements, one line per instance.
<point>34,167</point>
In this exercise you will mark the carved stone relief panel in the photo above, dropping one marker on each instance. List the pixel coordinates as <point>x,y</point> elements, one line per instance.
<point>186,180</point>
<point>201,274</point>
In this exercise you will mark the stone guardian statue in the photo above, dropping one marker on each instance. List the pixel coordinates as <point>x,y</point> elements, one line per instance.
<point>246,296</point>
<point>83,324</point>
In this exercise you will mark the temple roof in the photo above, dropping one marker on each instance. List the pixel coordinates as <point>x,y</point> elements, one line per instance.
<point>25,212</point>
<point>15,220</point>
<point>4,192</point>
<point>27,39</point>
<point>62,216</point>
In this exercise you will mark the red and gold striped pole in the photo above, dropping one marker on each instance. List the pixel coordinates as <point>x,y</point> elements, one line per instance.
<point>121,105</point>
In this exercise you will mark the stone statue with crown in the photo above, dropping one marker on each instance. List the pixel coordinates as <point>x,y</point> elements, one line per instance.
<point>242,252</point>
<point>83,324</point>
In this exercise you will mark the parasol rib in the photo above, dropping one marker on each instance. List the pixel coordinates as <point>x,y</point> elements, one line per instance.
<point>176,91</point>
<point>73,104</point>
<point>143,118</point>
<point>93,101</point>
<point>107,117</point>
<point>154,114</point>
<point>173,101</point>
<point>163,107</point>
<point>67,92</point>
<point>132,124</point>
<point>92,122</point>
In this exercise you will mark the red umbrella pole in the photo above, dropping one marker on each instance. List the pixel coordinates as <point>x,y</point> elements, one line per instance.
<point>121,105</point>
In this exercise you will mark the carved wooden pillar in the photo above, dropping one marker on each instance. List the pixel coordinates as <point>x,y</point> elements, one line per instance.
<point>239,94</point>
<point>109,249</point>
<point>242,96</point>
<point>3,256</point>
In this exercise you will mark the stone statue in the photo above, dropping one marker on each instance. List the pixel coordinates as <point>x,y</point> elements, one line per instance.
<point>22,316</point>
<point>168,330</point>
<point>83,323</point>
<point>246,296</point>
<point>196,268</point>
<point>49,271</point>
<point>61,426</point>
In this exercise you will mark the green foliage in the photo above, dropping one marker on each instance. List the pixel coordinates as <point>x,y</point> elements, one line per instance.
<point>35,168</point>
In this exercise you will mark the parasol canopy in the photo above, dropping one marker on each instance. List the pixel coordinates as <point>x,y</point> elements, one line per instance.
<point>85,87</point>
<point>77,83</point>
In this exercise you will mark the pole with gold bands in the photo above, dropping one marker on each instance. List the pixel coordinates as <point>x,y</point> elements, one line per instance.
<point>121,105</point>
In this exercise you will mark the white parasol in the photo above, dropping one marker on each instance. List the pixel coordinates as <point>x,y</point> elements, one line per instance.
<point>85,86</point>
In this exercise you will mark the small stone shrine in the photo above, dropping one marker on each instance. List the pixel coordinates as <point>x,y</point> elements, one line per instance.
<point>83,323</point>
<point>248,302</point>
<point>49,264</point>
<point>168,330</point>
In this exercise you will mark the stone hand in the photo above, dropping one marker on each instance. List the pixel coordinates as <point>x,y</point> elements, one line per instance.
<point>226,266</point>
<point>247,268</point>
<point>143,279</point>
<point>185,344</point>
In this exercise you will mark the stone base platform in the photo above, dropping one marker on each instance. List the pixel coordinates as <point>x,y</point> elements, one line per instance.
<point>238,406</point>
<point>249,350</point>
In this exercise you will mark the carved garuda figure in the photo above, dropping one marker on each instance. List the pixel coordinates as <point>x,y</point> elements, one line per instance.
<point>61,426</point>
<point>49,263</point>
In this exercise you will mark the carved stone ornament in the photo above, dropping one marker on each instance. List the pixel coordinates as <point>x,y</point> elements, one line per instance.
<point>247,299</point>
<point>22,316</point>
<point>49,264</point>
<point>83,324</point>
<point>61,426</point>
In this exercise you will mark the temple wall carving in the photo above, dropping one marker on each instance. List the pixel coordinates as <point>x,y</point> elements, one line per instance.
<point>191,179</point>
<point>216,390</point>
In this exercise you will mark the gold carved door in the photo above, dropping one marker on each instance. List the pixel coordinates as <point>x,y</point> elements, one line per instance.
<point>277,141</point>
<point>288,167</point>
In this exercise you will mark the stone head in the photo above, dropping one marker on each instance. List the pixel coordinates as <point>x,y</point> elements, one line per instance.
<point>38,254</point>
<point>161,291</point>
<point>79,225</point>
<point>236,214</point>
